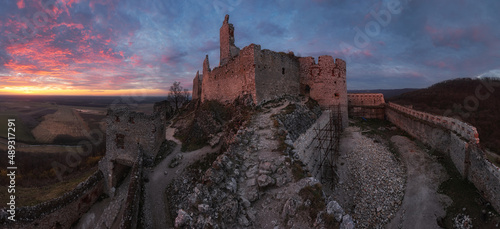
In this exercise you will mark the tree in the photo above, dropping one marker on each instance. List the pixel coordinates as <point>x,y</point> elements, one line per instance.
<point>178,95</point>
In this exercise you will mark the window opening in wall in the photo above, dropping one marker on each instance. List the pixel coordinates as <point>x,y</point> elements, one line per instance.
<point>120,141</point>
<point>337,95</point>
<point>283,71</point>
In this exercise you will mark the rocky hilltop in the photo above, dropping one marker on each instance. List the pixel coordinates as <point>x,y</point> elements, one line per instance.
<point>257,182</point>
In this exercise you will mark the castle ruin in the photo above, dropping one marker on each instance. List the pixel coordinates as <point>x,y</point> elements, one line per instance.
<point>128,135</point>
<point>265,75</point>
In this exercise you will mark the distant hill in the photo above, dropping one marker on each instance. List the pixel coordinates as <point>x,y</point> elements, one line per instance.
<point>466,99</point>
<point>388,93</point>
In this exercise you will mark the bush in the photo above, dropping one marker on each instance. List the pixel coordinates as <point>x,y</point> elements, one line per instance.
<point>210,118</point>
<point>315,195</point>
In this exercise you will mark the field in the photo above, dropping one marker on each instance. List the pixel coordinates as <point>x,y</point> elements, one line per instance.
<point>48,128</point>
<point>27,115</point>
<point>65,121</point>
<point>29,196</point>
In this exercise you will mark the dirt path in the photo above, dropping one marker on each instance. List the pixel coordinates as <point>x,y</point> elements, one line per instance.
<point>422,205</point>
<point>161,175</point>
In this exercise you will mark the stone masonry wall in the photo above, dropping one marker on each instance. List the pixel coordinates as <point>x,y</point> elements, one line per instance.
<point>197,86</point>
<point>227,48</point>
<point>129,215</point>
<point>305,146</point>
<point>276,74</point>
<point>365,99</point>
<point>63,211</point>
<point>366,105</point>
<point>225,83</point>
<point>457,139</point>
<point>325,82</point>
<point>127,131</point>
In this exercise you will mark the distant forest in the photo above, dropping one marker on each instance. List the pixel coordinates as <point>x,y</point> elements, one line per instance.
<point>475,101</point>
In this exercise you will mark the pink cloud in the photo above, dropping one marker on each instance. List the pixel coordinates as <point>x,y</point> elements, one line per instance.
<point>20,4</point>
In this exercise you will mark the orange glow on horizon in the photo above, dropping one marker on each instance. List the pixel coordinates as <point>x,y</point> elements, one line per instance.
<point>31,90</point>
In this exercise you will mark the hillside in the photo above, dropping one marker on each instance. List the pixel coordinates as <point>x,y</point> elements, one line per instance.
<point>476,101</point>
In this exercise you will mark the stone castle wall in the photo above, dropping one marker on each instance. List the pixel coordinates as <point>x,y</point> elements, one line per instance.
<point>266,75</point>
<point>63,211</point>
<point>457,139</point>
<point>463,129</point>
<point>305,146</point>
<point>227,48</point>
<point>127,132</point>
<point>129,215</point>
<point>276,74</point>
<point>366,105</point>
<point>225,83</point>
<point>365,99</point>
<point>197,86</point>
<point>325,82</point>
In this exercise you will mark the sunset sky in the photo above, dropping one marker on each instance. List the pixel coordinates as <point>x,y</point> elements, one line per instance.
<point>120,47</point>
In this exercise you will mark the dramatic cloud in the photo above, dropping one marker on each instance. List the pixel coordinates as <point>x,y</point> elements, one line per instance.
<point>122,46</point>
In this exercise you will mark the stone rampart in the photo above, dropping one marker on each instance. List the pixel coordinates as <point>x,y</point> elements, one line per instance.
<point>126,133</point>
<point>276,74</point>
<point>197,86</point>
<point>61,212</point>
<point>365,99</point>
<point>130,212</point>
<point>325,82</point>
<point>457,139</point>
<point>366,105</point>
<point>227,82</point>
<point>305,146</point>
<point>463,129</point>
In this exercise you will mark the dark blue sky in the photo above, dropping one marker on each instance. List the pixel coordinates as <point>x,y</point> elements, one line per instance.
<point>131,46</point>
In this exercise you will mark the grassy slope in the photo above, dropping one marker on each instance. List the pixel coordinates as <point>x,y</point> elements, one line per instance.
<point>35,195</point>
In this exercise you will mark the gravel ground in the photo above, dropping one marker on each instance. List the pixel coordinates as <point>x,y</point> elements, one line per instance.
<point>371,181</point>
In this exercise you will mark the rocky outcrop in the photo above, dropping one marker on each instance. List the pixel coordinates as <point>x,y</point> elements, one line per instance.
<point>252,185</point>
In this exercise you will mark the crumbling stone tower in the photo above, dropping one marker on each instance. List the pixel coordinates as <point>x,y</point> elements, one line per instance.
<point>197,86</point>
<point>227,48</point>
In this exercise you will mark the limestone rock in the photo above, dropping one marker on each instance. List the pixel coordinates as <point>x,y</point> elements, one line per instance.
<point>182,219</point>
<point>265,180</point>
<point>347,222</point>
<point>335,209</point>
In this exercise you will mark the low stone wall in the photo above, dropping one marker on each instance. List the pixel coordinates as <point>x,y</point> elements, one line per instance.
<point>365,99</point>
<point>457,139</point>
<point>131,209</point>
<point>366,105</point>
<point>462,129</point>
<point>377,112</point>
<point>61,212</point>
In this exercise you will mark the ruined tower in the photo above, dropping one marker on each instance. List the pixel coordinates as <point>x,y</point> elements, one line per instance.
<point>197,86</point>
<point>227,48</point>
